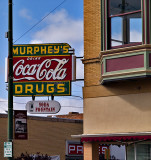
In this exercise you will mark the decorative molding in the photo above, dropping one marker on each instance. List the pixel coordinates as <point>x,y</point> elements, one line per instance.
<point>91,60</point>
<point>139,68</point>
<point>124,63</point>
<point>133,73</point>
<point>124,50</point>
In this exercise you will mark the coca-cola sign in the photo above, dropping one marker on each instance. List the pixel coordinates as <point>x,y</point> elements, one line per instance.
<point>52,68</point>
<point>42,69</point>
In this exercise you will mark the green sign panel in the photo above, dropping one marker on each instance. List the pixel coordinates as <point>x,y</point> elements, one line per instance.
<point>42,88</point>
<point>7,149</point>
<point>41,49</point>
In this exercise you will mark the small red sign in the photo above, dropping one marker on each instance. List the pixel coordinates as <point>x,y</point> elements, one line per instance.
<point>102,149</point>
<point>75,149</point>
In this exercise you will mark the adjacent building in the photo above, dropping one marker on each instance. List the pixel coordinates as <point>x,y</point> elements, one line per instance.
<point>117,83</point>
<point>46,135</point>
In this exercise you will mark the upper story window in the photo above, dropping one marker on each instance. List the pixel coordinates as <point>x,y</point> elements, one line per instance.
<point>124,23</point>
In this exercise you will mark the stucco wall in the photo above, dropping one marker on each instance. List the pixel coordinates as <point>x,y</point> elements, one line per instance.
<point>117,114</point>
<point>123,106</point>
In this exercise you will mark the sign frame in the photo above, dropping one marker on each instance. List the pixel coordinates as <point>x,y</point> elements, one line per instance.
<point>30,57</point>
<point>20,125</point>
<point>43,107</point>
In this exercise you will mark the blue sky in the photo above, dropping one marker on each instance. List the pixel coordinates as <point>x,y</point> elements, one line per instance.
<point>64,24</point>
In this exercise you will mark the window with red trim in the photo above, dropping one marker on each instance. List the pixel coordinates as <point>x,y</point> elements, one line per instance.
<point>124,23</point>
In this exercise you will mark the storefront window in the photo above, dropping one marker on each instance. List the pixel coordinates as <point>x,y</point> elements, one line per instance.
<point>139,151</point>
<point>130,152</point>
<point>143,151</point>
<point>125,22</point>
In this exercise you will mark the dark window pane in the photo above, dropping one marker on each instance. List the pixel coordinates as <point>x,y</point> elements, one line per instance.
<point>126,29</point>
<point>130,152</point>
<point>123,6</point>
<point>143,151</point>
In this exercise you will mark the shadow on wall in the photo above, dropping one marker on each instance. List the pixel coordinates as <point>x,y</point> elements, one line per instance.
<point>136,93</point>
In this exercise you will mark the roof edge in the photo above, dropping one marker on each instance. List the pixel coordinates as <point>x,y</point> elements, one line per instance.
<point>112,134</point>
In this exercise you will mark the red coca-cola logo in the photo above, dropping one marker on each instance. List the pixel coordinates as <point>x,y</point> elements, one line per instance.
<point>46,68</point>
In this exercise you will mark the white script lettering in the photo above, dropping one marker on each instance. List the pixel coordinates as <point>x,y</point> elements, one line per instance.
<point>45,70</point>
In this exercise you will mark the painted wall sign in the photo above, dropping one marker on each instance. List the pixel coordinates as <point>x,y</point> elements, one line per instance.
<point>20,127</point>
<point>43,107</point>
<point>43,69</point>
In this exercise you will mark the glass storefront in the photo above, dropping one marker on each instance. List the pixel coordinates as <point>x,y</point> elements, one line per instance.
<point>130,152</point>
<point>139,151</point>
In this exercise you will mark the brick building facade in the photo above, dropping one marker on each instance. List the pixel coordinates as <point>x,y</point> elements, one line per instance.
<point>117,81</point>
<point>45,135</point>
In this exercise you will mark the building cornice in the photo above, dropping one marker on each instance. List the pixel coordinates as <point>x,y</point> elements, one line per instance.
<point>112,134</point>
<point>91,60</point>
<point>126,49</point>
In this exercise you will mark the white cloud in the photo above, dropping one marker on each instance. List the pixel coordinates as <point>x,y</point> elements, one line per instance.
<point>25,14</point>
<point>135,36</point>
<point>61,28</point>
<point>79,70</point>
<point>68,104</point>
<point>2,70</point>
<point>72,105</point>
<point>36,42</point>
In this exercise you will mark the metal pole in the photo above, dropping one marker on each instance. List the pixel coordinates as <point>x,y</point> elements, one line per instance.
<point>10,76</point>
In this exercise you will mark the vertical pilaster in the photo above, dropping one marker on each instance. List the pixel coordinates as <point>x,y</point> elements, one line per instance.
<point>149,17</point>
<point>146,18</point>
<point>142,15</point>
<point>106,24</point>
<point>95,151</point>
<point>102,26</point>
<point>87,151</point>
<point>91,151</point>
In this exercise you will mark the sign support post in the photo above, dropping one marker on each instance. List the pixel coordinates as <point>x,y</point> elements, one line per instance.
<point>10,75</point>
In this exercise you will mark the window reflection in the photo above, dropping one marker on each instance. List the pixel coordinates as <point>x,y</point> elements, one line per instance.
<point>130,152</point>
<point>135,30</point>
<point>124,6</point>
<point>139,151</point>
<point>126,22</point>
<point>116,30</point>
